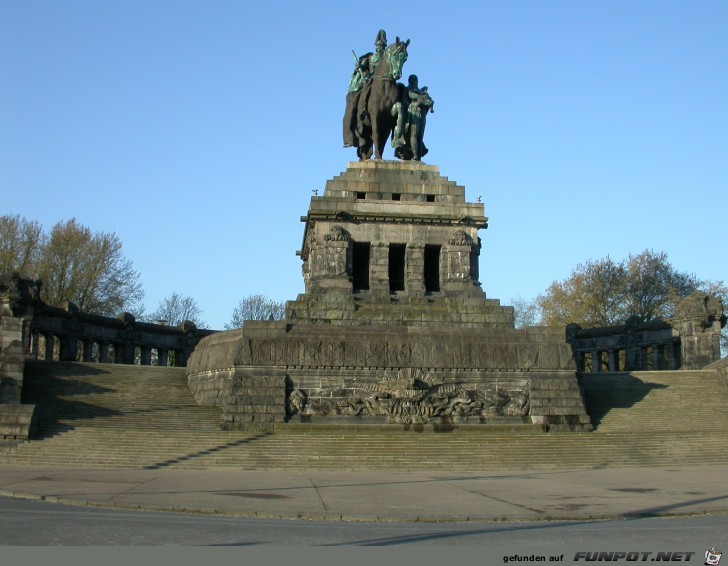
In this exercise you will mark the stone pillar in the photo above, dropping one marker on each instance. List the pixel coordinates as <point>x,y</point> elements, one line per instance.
<point>34,345</point>
<point>69,348</point>
<point>27,337</point>
<point>146,355</point>
<point>124,353</point>
<point>162,357</point>
<point>50,346</point>
<point>12,354</point>
<point>256,399</point>
<point>180,358</point>
<point>699,319</point>
<point>596,361</point>
<point>415,270</point>
<point>328,266</point>
<point>88,350</point>
<point>656,361</point>
<point>456,269</point>
<point>104,352</point>
<point>612,361</point>
<point>673,356</point>
<point>379,269</point>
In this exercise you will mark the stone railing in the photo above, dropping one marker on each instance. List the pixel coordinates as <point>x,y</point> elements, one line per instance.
<point>67,334</point>
<point>689,340</point>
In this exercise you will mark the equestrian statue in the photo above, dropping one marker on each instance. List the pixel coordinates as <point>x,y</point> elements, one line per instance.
<point>378,107</point>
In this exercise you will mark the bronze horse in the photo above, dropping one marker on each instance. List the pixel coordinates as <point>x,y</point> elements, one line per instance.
<point>381,92</point>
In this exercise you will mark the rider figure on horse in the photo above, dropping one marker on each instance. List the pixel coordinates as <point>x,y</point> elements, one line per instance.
<point>364,67</point>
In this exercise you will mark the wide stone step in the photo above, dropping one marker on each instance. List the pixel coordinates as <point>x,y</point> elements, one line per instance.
<point>101,416</point>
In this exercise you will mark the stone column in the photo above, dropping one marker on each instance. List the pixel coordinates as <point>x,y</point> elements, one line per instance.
<point>88,350</point>
<point>612,359</point>
<point>699,319</point>
<point>12,361</point>
<point>69,348</point>
<point>180,360</point>
<point>379,269</point>
<point>596,361</point>
<point>103,352</point>
<point>50,347</point>
<point>162,357</point>
<point>415,270</point>
<point>125,354</point>
<point>672,363</point>
<point>328,262</point>
<point>456,269</point>
<point>146,355</point>
<point>34,345</point>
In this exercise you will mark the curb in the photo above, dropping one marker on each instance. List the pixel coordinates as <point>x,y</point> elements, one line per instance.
<point>345,518</point>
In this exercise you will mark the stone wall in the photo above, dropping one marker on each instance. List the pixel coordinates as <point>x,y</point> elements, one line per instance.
<point>272,372</point>
<point>17,422</point>
<point>394,325</point>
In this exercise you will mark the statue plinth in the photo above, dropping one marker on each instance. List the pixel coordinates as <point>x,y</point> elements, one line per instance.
<point>393,323</point>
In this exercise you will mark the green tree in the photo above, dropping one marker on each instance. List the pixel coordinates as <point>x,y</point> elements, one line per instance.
<point>73,263</point>
<point>256,307</point>
<point>176,309</point>
<point>605,292</point>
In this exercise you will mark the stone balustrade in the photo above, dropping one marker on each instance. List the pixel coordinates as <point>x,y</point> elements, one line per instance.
<point>67,334</point>
<point>688,340</point>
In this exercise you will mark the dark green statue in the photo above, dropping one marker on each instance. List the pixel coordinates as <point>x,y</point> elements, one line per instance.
<point>377,106</point>
<point>411,114</point>
<point>363,70</point>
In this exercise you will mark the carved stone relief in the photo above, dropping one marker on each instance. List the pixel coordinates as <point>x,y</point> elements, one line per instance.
<point>411,396</point>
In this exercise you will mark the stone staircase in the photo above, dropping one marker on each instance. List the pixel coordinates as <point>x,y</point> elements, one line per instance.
<point>101,416</point>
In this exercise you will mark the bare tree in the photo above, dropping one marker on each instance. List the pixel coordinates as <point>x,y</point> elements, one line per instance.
<point>21,243</point>
<point>176,309</point>
<point>88,269</point>
<point>525,313</point>
<point>73,263</point>
<point>256,307</point>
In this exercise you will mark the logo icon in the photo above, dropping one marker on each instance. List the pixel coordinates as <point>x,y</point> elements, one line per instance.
<point>712,556</point>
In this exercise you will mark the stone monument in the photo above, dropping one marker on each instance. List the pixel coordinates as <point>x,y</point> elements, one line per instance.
<point>393,326</point>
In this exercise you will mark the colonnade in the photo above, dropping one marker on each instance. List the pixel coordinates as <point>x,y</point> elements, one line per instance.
<point>642,357</point>
<point>54,346</point>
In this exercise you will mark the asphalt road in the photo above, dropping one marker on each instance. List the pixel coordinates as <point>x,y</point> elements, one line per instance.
<point>30,522</point>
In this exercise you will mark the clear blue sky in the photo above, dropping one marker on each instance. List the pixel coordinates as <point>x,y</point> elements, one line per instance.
<point>196,131</point>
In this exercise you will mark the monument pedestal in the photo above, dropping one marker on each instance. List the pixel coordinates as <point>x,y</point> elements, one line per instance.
<point>393,324</point>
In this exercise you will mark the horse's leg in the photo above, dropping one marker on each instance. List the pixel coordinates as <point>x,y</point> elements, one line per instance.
<point>398,132</point>
<point>364,152</point>
<point>375,136</point>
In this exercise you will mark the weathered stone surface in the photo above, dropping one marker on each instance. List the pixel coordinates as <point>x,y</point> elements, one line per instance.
<point>17,422</point>
<point>393,325</point>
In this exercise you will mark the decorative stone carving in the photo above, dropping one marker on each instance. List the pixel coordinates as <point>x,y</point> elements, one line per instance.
<point>458,265</point>
<point>337,234</point>
<point>700,307</point>
<point>411,396</point>
<point>296,402</point>
<point>460,238</point>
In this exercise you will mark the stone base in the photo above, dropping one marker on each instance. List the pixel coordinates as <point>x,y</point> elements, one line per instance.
<point>400,309</point>
<point>273,373</point>
<point>17,422</point>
